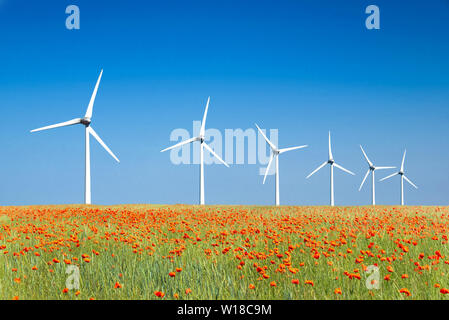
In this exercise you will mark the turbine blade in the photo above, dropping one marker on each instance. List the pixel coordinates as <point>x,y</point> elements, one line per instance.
<point>403,159</point>
<point>292,148</point>
<point>330,147</point>
<point>92,98</point>
<point>181,144</point>
<point>314,171</point>
<point>268,167</point>
<point>408,180</point>
<point>203,123</point>
<point>383,168</point>
<point>366,157</point>
<point>62,124</point>
<point>390,176</point>
<point>214,154</point>
<point>366,176</point>
<point>345,170</point>
<point>273,147</point>
<point>95,135</point>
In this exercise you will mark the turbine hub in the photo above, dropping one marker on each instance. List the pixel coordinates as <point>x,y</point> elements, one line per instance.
<point>331,161</point>
<point>401,173</point>
<point>372,168</point>
<point>86,121</point>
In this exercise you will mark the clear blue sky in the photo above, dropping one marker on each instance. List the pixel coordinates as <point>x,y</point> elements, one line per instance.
<point>304,67</point>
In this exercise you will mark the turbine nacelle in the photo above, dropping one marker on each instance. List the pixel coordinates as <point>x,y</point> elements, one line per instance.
<point>86,121</point>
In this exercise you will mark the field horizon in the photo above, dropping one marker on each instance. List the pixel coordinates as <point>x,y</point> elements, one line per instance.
<point>156,205</point>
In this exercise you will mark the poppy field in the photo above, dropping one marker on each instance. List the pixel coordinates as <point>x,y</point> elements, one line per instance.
<point>223,252</point>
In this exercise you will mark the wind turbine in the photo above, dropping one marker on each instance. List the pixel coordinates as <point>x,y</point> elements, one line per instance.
<point>86,121</point>
<point>371,169</point>
<point>401,173</point>
<point>332,163</point>
<point>275,152</point>
<point>200,138</point>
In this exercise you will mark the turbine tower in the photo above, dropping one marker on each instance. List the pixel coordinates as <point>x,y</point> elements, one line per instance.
<point>332,164</point>
<point>200,138</point>
<point>371,169</point>
<point>401,173</point>
<point>86,121</point>
<point>275,152</point>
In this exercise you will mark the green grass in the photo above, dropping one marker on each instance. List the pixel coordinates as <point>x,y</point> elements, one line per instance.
<point>259,233</point>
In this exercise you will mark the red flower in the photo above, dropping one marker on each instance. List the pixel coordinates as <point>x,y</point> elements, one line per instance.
<point>444,291</point>
<point>309,282</point>
<point>405,291</point>
<point>159,294</point>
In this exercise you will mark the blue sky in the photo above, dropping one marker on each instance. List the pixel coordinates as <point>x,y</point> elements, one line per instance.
<point>304,67</point>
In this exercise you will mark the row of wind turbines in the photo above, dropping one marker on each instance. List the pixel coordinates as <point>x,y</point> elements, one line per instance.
<point>275,152</point>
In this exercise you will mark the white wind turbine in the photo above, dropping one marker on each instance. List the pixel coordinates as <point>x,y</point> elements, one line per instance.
<point>275,152</point>
<point>200,138</point>
<point>401,173</point>
<point>332,163</point>
<point>371,169</point>
<point>86,121</point>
